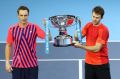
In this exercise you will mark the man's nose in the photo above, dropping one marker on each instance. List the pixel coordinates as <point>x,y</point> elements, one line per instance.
<point>23,16</point>
<point>94,18</point>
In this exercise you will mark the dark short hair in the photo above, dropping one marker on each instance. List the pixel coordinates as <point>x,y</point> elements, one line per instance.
<point>22,8</point>
<point>99,10</point>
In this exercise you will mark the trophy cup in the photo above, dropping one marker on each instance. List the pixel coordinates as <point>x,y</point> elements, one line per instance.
<point>62,22</point>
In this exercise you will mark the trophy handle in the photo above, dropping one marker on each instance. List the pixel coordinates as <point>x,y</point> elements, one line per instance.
<point>46,24</point>
<point>78,28</point>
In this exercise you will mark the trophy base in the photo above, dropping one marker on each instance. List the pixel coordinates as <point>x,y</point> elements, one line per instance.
<point>63,41</point>
<point>62,45</point>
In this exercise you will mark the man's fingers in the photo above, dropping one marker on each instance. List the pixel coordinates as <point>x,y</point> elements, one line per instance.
<point>11,69</point>
<point>8,67</point>
<point>8,70</point>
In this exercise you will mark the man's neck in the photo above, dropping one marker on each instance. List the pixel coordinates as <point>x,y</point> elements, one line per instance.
<point>23,24</point>
<point>96,24</point>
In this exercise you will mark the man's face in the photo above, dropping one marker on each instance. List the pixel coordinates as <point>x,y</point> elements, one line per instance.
<point>96,18</point>
<point>23,16</point>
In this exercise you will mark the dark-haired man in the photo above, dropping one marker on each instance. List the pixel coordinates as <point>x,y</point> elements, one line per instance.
<point>97,34</point>
<point>23,37</point>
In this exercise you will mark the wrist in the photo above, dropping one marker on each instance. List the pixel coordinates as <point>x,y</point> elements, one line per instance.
<point>7,61</point>
<point>83,47</point>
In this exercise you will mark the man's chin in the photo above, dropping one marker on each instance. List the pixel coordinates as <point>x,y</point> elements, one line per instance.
<point>95,23</point>
<point>23,21</point>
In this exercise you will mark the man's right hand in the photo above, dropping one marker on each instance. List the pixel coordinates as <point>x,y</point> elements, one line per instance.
<point>75,35</point>
<point>8,67</point>
<point>44,22</point>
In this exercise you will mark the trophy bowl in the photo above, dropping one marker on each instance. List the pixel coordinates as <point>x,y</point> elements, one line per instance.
<point>62,22</point>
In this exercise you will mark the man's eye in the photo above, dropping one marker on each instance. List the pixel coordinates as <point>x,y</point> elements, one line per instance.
<point>23,15</point>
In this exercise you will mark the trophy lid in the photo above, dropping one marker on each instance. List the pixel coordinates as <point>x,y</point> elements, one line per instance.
<point>62,20</point>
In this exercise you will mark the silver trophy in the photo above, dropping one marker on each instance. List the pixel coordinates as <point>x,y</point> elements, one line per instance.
<point>62,22</point>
